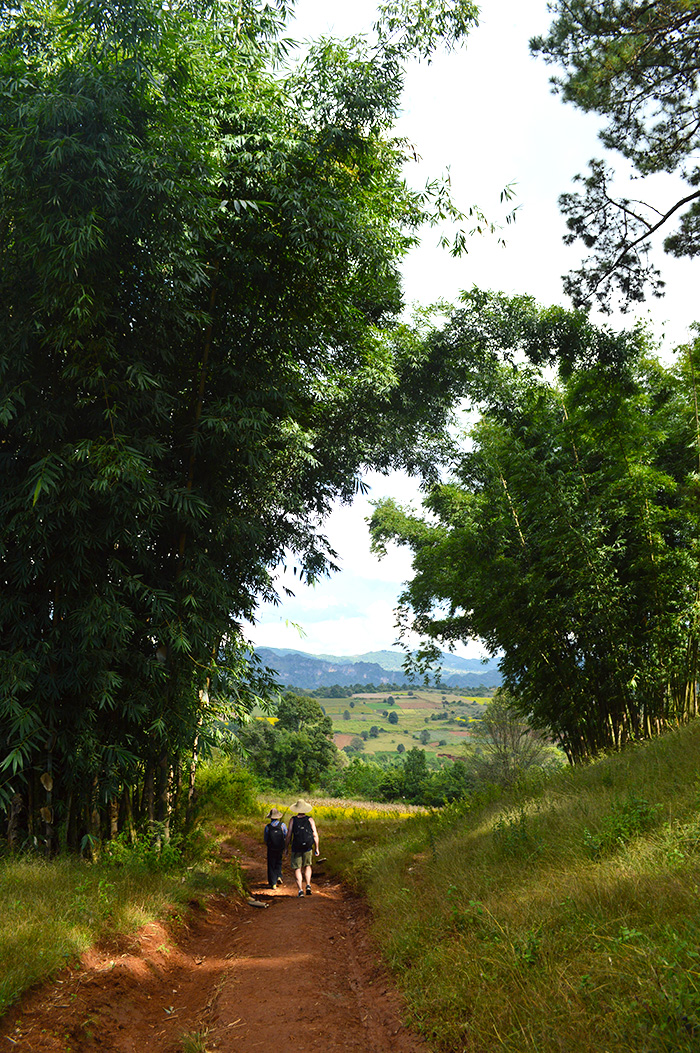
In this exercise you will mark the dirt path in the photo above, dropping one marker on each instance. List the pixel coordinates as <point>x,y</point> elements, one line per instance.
<point>296,973</point>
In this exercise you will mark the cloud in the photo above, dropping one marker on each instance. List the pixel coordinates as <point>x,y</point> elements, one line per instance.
<point>345,635</point>
<point>488,115</point>
<point>357,622</point>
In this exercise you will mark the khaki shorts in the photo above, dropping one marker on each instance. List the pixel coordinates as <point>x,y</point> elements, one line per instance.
<point>302,859</point>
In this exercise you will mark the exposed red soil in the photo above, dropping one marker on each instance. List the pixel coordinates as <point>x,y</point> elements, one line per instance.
<point>297,972</point>
<point>341,739</point>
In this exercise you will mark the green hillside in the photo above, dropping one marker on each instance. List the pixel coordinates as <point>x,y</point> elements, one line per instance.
<point>392,660</point>
<point>563,918</point>
<point>445,716</point>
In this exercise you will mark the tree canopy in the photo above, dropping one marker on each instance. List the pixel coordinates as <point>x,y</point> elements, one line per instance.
<point>199,270</point>
<point>567,536</point>
<point>295,751</point>
<point>636,64</point>
<point>503,746</point>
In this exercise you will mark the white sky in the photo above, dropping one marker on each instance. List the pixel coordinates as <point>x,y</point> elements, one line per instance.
<point>487,114</point>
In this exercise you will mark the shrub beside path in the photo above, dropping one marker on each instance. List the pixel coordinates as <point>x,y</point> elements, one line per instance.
<point>299,971</point>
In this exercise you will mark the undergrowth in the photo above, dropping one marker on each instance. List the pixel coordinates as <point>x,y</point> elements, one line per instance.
<point>51,912</point>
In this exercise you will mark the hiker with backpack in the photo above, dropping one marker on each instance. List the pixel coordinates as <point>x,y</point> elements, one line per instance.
<point>275,837</point>
<point>304,837</point>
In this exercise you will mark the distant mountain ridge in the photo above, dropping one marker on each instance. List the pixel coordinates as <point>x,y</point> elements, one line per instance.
<point>300,669</point>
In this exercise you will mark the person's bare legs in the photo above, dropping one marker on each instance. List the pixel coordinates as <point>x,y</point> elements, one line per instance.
<point>307,879</point>
<point>297,875</point>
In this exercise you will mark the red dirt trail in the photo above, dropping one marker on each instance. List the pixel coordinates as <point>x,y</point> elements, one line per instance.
<point>299,973</point>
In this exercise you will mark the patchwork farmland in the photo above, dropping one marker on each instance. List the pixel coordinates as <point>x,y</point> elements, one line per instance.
<point>434,720</point>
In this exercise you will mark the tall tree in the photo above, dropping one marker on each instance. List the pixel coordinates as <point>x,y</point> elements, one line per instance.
<point>296,751</point>
<point>567,537</point>
<point>636,63</point>
<point>199,353</point>
<point>503,745</point>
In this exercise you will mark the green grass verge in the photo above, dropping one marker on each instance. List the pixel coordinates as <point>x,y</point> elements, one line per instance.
<point>561,917</point>
<point>51,912</point>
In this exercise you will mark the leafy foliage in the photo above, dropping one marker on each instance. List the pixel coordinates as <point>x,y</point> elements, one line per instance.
<point>297,712</point>
<point>410,780</point>
<point>636,64</point>
<point>199,275</point>
<point>627,819</point>
<point>297,750</point>
<point>224,789</point>
<point>567,540</point>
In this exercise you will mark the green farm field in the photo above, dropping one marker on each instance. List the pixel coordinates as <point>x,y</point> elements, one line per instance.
<point>446,716</point>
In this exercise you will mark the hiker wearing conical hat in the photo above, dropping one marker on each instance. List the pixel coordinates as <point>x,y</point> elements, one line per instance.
<point>304,839</point>
<point>275,837</point>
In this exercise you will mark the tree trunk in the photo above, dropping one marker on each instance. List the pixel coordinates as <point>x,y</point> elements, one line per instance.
<point>127,814</point>
<point>94,822</point>
<point>30,808</point>
<point>148,805</point>
<point>113,818</point>
<point>72,833</point>
<point>176,798</point>
<point>163,795</point>
<point>191,782</point>
<point>17,807</point>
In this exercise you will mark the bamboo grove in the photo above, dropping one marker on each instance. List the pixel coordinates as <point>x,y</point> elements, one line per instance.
<point>567,535</point>
<point>199,353</point>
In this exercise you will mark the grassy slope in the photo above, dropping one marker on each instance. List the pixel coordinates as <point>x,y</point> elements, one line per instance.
<point>52,912</point>
<point>566,918</point>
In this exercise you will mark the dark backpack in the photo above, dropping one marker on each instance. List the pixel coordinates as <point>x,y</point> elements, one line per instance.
<point>276,837</point>
<point>302,834</point>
